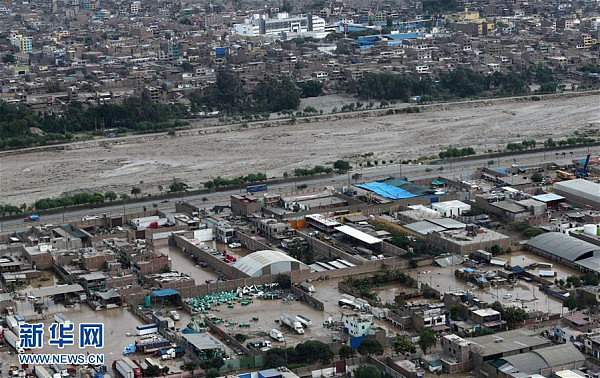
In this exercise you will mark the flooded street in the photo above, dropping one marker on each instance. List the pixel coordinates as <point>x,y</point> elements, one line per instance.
<point>117,322</point>
<point>184,264</point>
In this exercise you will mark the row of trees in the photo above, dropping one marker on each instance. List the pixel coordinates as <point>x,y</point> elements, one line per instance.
<point>85,198</point>
<point>17,122</point>
<point>270,95</point>
<point>456,152</point>
<point>250,178</point>
<point>459,83</point>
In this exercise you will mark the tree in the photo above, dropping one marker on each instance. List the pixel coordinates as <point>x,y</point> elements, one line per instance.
<point>283,281</point>
<point>275,358</point>
<point>110,195</point>
<point>346,352</point>
<point>165,370</point>
<point>177,186</point>
<point>342,166</point>
<point>370,346</point>
<point>160,188</point>
<point>513,315</point>
<point>136,191</point>
<point>496,249</point>
<point>312,351</point>
<point>537,177</point>
<point>427,339</point>
<point>276,94</point>
<point>123,197</point>
<point>570,303</point>
<point>366,371</point>
<point>403,345</point>
<point>152,371</point>
<point>311,88</point>
<point>455,311</point>
<point>356,176</point>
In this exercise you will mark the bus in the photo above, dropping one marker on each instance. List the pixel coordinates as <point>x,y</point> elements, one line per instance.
<point>256,188</point>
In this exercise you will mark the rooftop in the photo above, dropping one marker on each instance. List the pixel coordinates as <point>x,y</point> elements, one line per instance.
<point>563,246</point>
<point>504,342</point>
<point>358,234</point>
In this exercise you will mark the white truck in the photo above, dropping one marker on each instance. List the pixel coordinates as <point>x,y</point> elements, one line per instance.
<point>124,369</point>
<point>41,372</point>
<point>292,322</point>
<point>306,322</point>
<point>61,370</point>
<point>60,318</point>
<point>174,315</point>
<point>14,323</point>
<point>13,340</point>
<point>276,335</point>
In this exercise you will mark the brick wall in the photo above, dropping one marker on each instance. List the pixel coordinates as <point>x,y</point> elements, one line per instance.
<point>218,264</point>
<point>325,249</point>
<point>250,243</point>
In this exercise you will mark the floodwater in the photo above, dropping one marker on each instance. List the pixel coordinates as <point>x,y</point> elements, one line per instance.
<point>117,323</point>
<point>184,264</point>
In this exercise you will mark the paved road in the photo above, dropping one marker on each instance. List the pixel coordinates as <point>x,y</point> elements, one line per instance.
<point>459,170</point>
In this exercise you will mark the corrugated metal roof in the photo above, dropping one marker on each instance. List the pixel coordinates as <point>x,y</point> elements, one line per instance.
<point>524,363</point>
<point>358,234</point>
<point>580,187</point>
<point>563,246</point>
<point>559,355</point>
<point>258,260</point>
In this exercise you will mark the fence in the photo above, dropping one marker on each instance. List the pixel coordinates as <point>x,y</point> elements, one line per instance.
<point>250,242</point>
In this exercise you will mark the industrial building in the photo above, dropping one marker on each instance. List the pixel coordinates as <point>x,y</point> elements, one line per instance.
<point>566,249</point>
<point>267,262</point>
<point>542,361</point>
<point>580,192</point>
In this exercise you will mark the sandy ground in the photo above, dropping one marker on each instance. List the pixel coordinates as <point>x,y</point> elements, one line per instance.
<point>118,165</point>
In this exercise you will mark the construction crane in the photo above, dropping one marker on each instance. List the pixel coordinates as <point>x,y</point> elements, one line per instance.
<point>583,172</point>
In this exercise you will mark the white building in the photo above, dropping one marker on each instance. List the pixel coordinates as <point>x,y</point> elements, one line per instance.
<point>357,325</point>
<point>451,209</point>
<point>283,23</point>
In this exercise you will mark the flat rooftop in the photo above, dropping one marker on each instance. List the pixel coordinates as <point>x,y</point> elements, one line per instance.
<point>504,342</point>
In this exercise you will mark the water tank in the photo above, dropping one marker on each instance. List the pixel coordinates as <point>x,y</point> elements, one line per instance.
<point>590,229</point>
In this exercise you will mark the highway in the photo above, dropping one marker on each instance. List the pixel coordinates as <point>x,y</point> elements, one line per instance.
<point>457,170</point>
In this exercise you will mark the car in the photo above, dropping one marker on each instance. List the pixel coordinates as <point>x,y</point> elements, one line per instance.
<point>235,245</point>
<point>164,201</point>
<point>89,217</point>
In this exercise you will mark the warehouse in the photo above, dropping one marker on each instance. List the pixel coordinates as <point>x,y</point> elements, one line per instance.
<point>267,262</point>
<point>580,192</point>
<point>561,247</point>
<point>567,249</point>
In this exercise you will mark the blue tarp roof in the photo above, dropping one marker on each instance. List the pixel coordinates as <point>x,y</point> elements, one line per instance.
<point>404,36</point>
<point>165,292</point>
<point>387,191</point>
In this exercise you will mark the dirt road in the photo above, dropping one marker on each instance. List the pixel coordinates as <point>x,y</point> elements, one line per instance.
<point>156,159</point>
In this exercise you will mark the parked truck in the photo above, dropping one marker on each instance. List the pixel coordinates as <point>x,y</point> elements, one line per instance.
<point>174,315</point>
<point>276,335</point>
<point>13,341</point>
<point>137,371</point>
<point>61,370</point>
<point>60,318</point>
<point>292,322</point>
<point>129,349</point>
<point>41,372</point>
<point>123,369</point>
<point>306,322</point>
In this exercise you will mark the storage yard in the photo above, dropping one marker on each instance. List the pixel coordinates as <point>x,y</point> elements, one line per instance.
<point>118,164</point>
